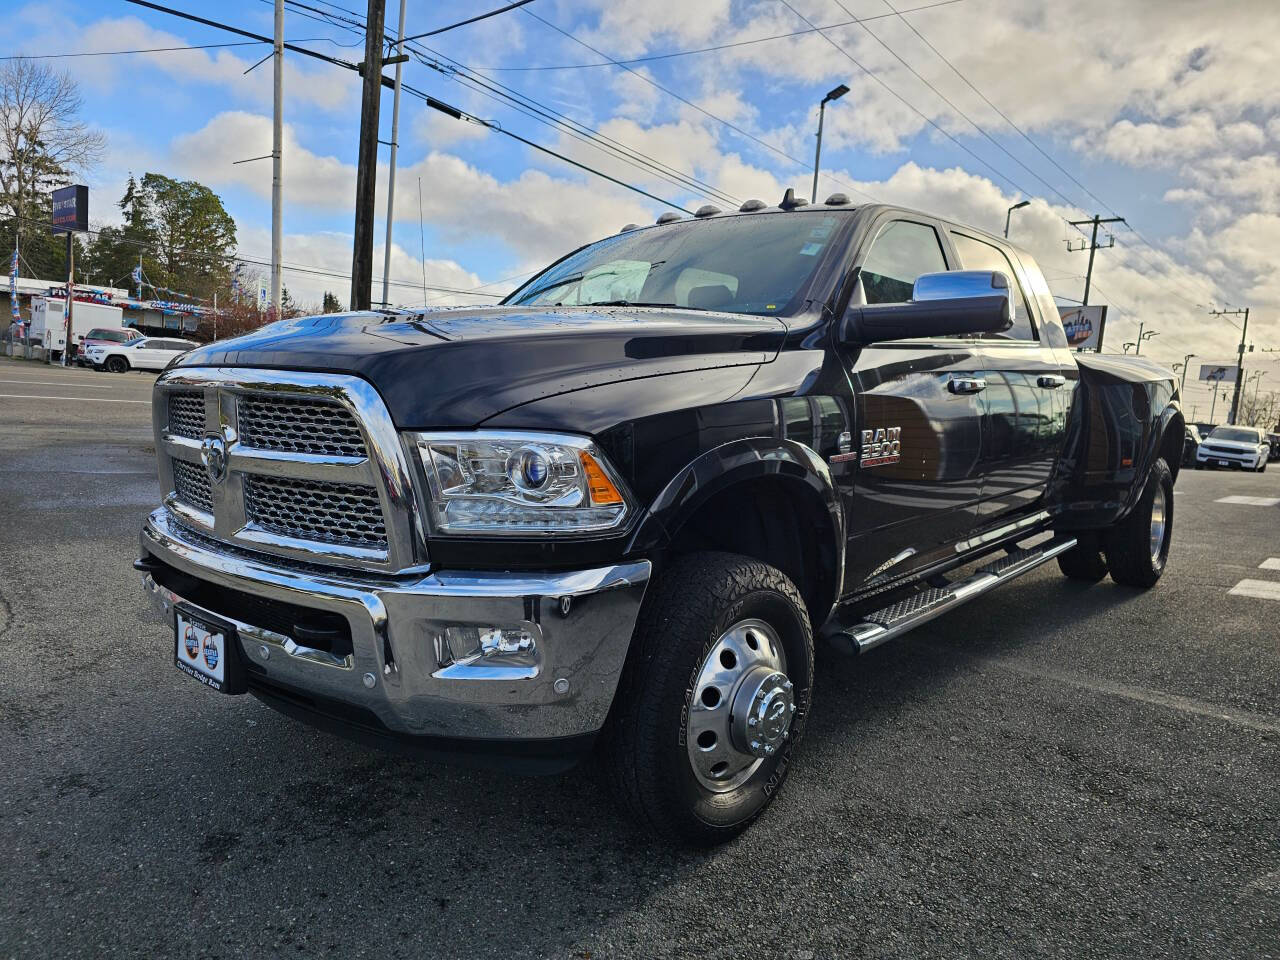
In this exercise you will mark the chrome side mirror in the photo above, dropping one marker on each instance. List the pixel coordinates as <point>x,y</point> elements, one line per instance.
<point>957,304</point>
<point>965,285</point>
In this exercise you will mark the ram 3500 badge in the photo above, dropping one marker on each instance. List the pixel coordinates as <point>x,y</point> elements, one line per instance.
<point>616,510</point>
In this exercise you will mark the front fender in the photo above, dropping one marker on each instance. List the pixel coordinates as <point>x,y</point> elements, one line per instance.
<point>733,463</point>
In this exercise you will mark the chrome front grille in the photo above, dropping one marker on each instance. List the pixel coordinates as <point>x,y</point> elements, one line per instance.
<point>299,425</point>
<point>191,485</point>
<point>186,414</point>
<point>314,468</point>
<point>315,510</point>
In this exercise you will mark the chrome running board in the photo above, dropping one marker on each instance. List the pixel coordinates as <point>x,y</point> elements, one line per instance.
<point>872,629</point>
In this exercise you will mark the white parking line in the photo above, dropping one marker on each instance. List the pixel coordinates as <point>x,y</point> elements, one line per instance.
<point>1251,501</point>
<point>27,396</point>
<point>1262,589</point>
<point>1271,563</point>
<point>62,383</point>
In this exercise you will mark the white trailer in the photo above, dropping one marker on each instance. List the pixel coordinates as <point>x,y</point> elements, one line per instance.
<point>48,325</point>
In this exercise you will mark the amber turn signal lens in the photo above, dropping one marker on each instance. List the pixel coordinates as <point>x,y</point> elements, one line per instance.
<point>603,492</point>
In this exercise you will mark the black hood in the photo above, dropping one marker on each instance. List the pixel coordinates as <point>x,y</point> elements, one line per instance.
<point>456,368</point>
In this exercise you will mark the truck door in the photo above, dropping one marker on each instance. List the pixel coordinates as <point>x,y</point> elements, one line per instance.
<point>918,420</point>
<point>1023,399</point>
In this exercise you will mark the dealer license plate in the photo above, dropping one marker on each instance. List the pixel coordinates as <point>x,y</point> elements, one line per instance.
<point>1224,463</point>
<point>205,651</point>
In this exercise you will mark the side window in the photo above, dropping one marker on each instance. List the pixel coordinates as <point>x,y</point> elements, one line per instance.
<point>901,251</point>
<point>980,255</point>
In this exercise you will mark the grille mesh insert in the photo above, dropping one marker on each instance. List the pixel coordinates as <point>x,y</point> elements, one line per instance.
<point>186,414</point>
<point>191,484</point>
<point>299,425</point>
<point>316,510</point>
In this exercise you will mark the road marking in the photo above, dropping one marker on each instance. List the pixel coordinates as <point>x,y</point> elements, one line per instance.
<point>26,396</point>
<point>1200,708</point>
<point>1251,501</point>
<point>1271,563</point>
<point>62,383</point>
<point>1262,589</point>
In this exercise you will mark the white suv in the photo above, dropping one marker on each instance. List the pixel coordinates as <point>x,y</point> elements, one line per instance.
<point>1243,447</point>
<point>150,353</point>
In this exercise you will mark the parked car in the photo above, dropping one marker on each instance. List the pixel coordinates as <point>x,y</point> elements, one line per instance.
<point>1190,444</point>
<point>1240,448</point>
<point>147,353</point>
<point>104,336</point>
<point>1273,440</point>
<point>620,506</point>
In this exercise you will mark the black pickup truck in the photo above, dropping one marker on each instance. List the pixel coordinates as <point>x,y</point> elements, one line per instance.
<point>618,510</point>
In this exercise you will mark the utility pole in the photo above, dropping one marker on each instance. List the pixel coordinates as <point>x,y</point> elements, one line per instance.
<point>1093,245</point>
<point>398,59</point>
<point>367,168</point>
<point>1244,330</point>
<point>71,296</point>
<point>277,138</point>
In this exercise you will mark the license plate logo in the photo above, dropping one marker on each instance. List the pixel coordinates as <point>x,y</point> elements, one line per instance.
<point>201,651</point>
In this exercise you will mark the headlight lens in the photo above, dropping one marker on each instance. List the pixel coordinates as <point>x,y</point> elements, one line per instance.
<point>519,483</point>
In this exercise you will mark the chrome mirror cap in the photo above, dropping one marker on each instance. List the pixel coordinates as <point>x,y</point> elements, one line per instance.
<point>964,285</point>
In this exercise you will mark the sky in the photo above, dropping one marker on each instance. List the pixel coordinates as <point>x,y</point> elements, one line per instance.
<point>1165,112</point>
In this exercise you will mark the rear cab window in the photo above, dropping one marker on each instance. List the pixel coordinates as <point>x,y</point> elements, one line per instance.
<point>978,254</point>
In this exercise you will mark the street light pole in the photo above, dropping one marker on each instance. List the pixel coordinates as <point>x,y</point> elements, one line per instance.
<point>834,94</point>
<point>1182,386</point>
<point>1009,213</point>
<point>1144,336</point>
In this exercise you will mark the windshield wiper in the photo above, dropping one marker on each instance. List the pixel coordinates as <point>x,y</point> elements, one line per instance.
<point>633,303</point>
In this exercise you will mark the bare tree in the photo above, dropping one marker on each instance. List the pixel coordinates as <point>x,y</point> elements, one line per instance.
<point>42,140</point>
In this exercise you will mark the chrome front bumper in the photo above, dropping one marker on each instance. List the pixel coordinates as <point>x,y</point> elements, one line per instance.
<point>581,623</point>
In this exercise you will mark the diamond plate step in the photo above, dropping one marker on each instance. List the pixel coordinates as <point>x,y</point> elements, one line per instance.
<point>873,629</point>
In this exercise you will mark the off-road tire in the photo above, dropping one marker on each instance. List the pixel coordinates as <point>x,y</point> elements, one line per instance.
<point>689,606</point>
<point>1128,544</point>
<point>117,365</point>
<point>1085,561</point>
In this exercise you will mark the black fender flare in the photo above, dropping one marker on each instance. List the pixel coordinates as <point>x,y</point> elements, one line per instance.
<point>1170,418</point>
<point>727,465</point>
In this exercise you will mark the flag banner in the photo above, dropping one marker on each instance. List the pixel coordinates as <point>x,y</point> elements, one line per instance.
<point>13,293</point>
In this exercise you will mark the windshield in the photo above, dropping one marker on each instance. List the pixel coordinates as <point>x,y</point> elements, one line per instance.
<point>114,336</point>
<point>739,264</point>
<point>1237,434</point>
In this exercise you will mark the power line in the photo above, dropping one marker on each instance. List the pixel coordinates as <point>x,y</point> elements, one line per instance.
<point>463,23</point>
<point>121,53</point>
<point>707,113</point>
<point>260,262</point>
<point>1048,156</point>
<point>561,121</point>
<point>712,49</point>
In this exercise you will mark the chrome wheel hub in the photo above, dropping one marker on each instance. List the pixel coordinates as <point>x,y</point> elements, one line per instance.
<point>1158,523</point>
<point>742,706</point>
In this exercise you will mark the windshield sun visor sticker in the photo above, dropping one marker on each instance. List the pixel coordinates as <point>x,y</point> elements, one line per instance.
<point>811,249</point>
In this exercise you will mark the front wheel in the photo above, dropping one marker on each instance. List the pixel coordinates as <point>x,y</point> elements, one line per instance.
<point>117,364</point>
<point>1137,548</point>
<point>1085,561</point>
<point>712,702</point>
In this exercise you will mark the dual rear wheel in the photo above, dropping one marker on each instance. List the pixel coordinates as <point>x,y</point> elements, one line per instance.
<point>1136,549</point>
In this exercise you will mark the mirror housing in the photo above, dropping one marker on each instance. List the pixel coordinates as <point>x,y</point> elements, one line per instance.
<point>957,303</point>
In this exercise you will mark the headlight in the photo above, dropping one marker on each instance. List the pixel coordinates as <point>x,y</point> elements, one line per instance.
<point>519,483</point>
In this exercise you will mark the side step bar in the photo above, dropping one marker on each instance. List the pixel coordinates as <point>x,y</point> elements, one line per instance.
<point>875,628</point>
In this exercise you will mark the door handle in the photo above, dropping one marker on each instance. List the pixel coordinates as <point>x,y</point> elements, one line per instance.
<point>967,385</point>
<point>1051,381</point>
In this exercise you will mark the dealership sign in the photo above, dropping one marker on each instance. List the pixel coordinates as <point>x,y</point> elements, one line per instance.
<point>1084,326</point>
<point>1218,373</point>
<point>71,209</point>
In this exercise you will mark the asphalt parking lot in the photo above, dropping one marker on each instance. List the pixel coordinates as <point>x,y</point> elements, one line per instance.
<point>1053,770</point>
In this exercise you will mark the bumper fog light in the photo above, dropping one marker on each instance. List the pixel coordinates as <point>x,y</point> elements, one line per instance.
<point>482,645</point>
